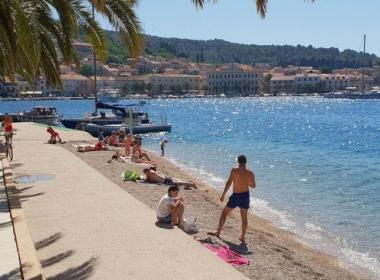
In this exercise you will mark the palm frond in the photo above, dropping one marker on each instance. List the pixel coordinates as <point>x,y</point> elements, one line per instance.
<point>121,15</point>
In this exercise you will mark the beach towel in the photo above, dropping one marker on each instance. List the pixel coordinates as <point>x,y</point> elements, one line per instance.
<point>227,255</point>
<point>142,165</point>
<point>130,176</point>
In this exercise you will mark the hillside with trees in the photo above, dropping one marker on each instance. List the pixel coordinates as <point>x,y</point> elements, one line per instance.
<point>220,51</point>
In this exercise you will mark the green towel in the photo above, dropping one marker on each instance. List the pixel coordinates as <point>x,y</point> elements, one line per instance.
<point>130,176</point>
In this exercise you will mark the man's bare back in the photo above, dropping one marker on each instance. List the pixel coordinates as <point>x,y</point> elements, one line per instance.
<point>242,178</point>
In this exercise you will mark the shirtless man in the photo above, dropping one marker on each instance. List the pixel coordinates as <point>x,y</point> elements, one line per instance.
<point>242,179</point>
<point>155,177</point>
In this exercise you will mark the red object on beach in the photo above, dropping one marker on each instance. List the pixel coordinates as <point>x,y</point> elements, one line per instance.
<point>54,136</point>
<point>227,255</point>
<point>98,146</point>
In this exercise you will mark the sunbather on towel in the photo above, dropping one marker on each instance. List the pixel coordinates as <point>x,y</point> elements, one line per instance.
<point>170,208</point>
<point>90,147</point>
<point>136,159</point>
<point>157,177</point>
<point>137,150</point>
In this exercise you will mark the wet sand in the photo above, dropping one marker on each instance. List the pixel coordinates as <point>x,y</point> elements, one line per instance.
<point>273,253</point>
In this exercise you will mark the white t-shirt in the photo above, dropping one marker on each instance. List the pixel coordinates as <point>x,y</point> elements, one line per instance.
<point>163,209</point>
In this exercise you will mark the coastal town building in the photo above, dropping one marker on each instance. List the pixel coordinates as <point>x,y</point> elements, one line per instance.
<point>175,83</point>
<point>282,84</point>
<point>336,82</point>
<point>234,79</point>
<point>122,84</point>
<point>74,84</point>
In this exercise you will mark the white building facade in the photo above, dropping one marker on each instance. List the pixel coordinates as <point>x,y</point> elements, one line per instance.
<point>234,79</point>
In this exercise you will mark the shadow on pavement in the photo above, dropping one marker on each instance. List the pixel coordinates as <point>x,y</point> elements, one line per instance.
<point>57,258</point>
<point>14,274</point>
<point>47,241</point>
<point>81,272</point>
<point>165,226</point>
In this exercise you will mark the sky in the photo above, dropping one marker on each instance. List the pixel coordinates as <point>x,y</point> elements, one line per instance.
<point>324,23</point>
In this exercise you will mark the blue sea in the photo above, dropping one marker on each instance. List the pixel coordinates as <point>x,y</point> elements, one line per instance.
<point>317,161</point>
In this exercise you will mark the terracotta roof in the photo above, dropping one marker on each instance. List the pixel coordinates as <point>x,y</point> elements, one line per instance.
<point>174,76</point>
<point>73,76</point>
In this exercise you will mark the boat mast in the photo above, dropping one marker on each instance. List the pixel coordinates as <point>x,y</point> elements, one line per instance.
<point>363,78</point>
<point>94,57</point>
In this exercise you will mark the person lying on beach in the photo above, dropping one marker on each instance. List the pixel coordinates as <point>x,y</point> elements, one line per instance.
<point>170,208</point>
<point>241,178</point>
<point>156,177</point>
<point>90,147</point>
<point>137,151</point>
<point>136,159</point>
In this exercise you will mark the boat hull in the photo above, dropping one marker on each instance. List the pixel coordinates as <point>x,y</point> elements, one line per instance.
<point>353,96</point>
<point>94,129</point>
<point>75,123</point>
<point>42,120</point>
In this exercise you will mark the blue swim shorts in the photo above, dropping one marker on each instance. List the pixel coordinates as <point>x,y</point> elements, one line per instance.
<point>240,200</point>
<point>165,220</point>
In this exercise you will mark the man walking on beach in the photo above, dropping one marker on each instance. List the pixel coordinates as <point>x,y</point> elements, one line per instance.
<point>242,179</point>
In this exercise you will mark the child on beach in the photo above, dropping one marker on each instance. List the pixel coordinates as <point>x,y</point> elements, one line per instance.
<point>127,145</point>
<point>171,208</point>
<point>162,146</point>
<point>116,156</point>
<point>113,139</point>
<point>54,136</point>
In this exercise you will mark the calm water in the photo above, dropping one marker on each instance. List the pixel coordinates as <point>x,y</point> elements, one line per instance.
<point>317,161</point>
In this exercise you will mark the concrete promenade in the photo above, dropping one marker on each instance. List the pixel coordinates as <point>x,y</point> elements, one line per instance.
<point>86,227</point>
<point>9,261</point>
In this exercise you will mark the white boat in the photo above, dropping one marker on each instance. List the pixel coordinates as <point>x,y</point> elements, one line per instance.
<point>40,114</point>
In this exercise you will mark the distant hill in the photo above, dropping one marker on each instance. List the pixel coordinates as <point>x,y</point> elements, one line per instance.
<point>220,51</point>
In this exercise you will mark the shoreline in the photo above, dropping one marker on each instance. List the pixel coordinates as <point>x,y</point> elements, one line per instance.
<point>273,252</point>
<point>347,258</point>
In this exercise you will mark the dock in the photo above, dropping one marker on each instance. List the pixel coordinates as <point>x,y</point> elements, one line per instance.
<point>84,226</point>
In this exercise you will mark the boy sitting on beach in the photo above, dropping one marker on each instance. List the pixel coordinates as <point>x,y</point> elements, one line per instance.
<point>156,177</point>
<point>170,208</point>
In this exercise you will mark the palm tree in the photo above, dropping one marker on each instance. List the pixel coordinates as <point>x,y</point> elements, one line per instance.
<point>30,34</point>
<point>261,5</point>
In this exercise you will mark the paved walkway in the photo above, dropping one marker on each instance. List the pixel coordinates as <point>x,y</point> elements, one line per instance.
<point>9,264</point>
<point>85,226</point>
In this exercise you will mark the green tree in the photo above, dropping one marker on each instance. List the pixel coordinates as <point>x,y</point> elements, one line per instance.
<point>148,87</point>
<point>160,89</point>
<point>30,30</point>
<point>264,84</point>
